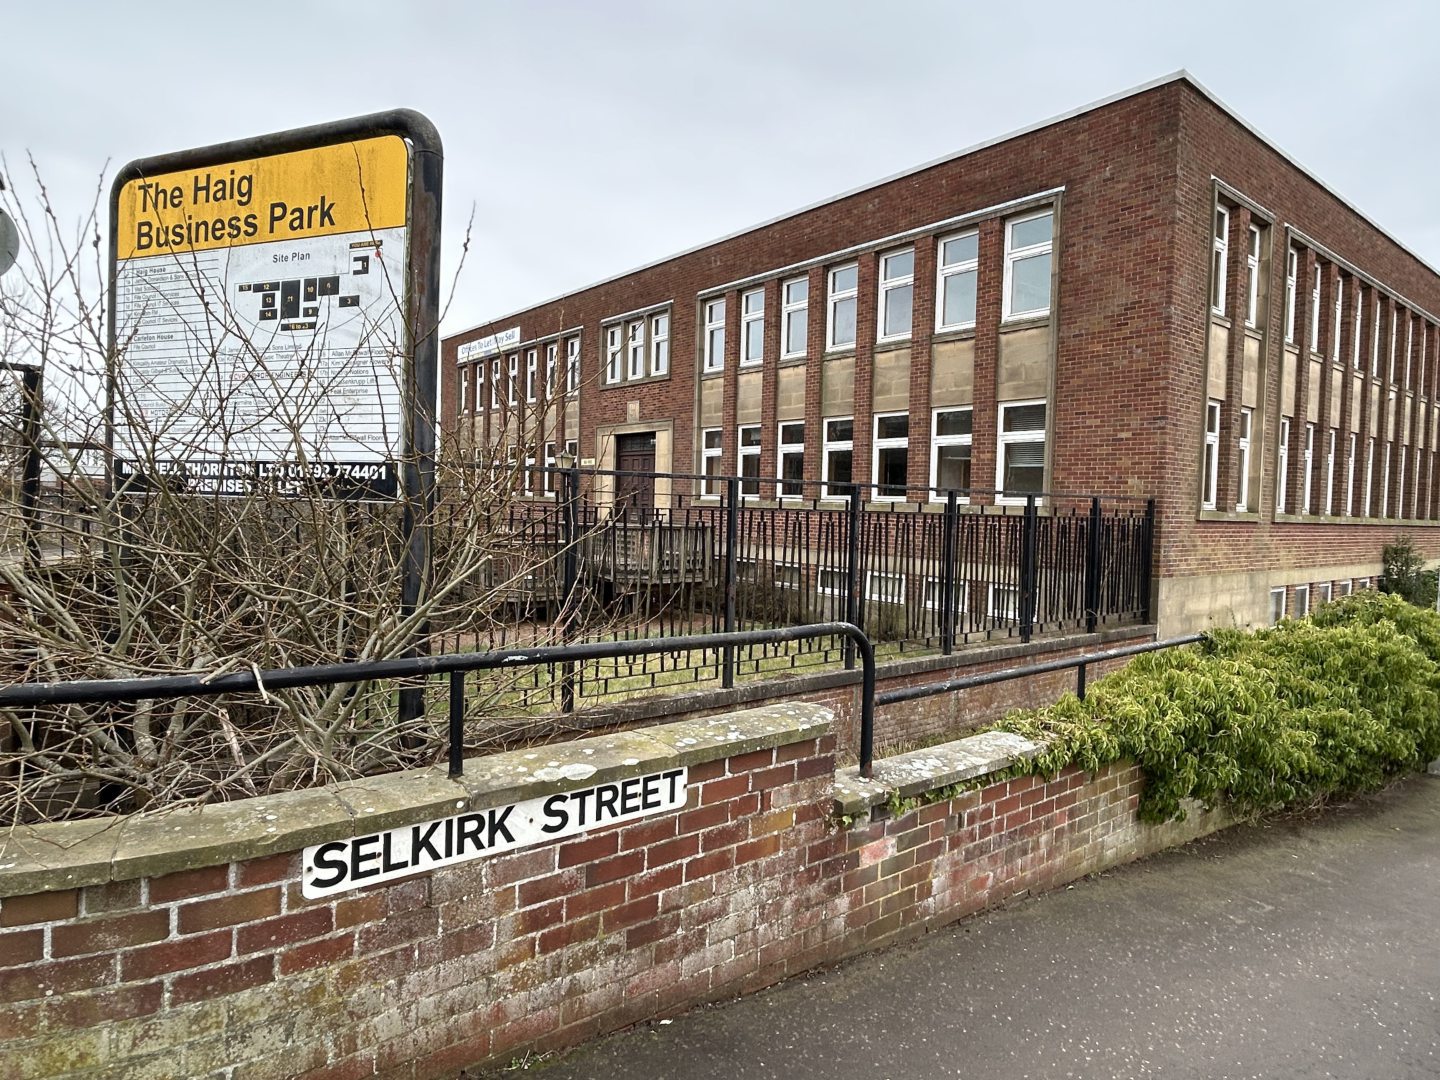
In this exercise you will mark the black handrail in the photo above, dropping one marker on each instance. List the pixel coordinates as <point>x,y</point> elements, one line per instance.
<point>455,664</point>
<point>969,682</point>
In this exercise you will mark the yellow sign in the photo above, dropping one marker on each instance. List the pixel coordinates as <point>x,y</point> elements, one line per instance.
<point>347,188</point>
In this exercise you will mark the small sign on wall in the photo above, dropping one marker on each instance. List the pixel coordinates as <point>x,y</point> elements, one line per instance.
<point>340,865</point>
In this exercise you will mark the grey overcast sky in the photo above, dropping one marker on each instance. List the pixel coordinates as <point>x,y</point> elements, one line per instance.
<point>590,138</point>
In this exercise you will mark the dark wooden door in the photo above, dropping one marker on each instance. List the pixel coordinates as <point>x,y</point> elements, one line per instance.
<point>635,495</point>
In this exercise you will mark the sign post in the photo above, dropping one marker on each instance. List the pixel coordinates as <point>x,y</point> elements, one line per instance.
<point>274,322</point>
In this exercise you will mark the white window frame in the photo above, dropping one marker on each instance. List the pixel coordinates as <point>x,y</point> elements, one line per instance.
<point>749,482</point>
<point>1292,265</point>
<point>552,356</point>
<point>1301,606</point>
<point>1409,347</point>
<point>1210,466</point>
<point>1006,439</point>
<point>1350,476</point>
<point>829,446</point>
<point>572,364</point>
<point>1356,352</point>
<point>1335,329</point>
<point>1252,277</point>
<point>1400,483</point>
<point>1385,483</point>
<point>512,363</point>
<point>752,328</point>
<point>707,454</point>
<point>1394,329</point>
<point>788,308</point>
<point>495,367</point>
<point>635,349</point>
<point>1315,311</point>
<point>892,443</point>
<point>1322,592</point>
<point>1015,255</point>
<point>889,285</point>
<point>830,581</point>
<point>660,343</point>
<point>1307,492</point>
<point>784,450</point>
<point>1330,474</point>
<point>1344,588</point>
<point>1369,474</point>
<point>938,441</point>
<point>875,593</point>
<point>1220,258</point>
<point>614,353</point>
<point>464,389</point>
<point>1375,341</point>
<point>833,299</point>
<point>532,374</point>
<point>1277,613</point>
<point>1282,465</point>
<point>714,322</point>
<point>1242,499</point>
<point>945,271</point>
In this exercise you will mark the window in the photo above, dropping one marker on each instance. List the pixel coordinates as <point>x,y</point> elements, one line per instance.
<point>1400,485</point>
<point>660,344</point>
<point>1385,484</point>
<point>1369,474</point>
<point>635,348</point>
<point>1292,265</point>
<point>715,334</point>
<point>1282,465</point>
<point>835,459</point>
<point>1342,588</point>
<point>790,445</point>
<point>885,588</point>
<point>514,365</point>
<point>495,383</point>
<point>831,582</point>
<point>1220,260</point>
<point>752,328</point>
<point>749,459</point>
<point>1211,481</point>
<point>1277,605</point>
<point>1020,465</point>
<point>890,456</point>
<point>1350,477</point>
<point>710,451</point>
<point>958,272</point>
<point>532,375</point>
<point>1252,277</point>
<point>1355,360</point>
<point>1242,501</point>
<point>1330,474</point>
<point>572,365</point>
<point>950,454</point>
<point>1322,593</point>
<point>840,318</point>
<point>1306,505</point>
<point>613,351</point>
<point>1409,341</point>
<point>1394,327</point>
<point>1335,326</point>
<point>1375,342</point>
<point>1362,583</point>
<point>897,292</point>
<point>552,352</point>
<point>1003,605</point>
<point>794,317</point>
<point>1315,312</point>
<point>464,390</point>
<point>1302,601</point>
<point>1027,265</point>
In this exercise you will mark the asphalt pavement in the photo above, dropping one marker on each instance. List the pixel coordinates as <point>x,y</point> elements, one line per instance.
<point>1300,947</point>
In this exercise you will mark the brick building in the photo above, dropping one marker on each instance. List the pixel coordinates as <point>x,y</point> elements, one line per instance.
<point>1144,297</point>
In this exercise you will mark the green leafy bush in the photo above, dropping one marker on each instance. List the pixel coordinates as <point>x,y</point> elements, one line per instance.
<point>1330,705</point>
<point>1405,573</point>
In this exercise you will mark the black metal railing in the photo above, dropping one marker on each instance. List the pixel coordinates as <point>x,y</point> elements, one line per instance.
<point>455,665</point>
<point>628,555</point>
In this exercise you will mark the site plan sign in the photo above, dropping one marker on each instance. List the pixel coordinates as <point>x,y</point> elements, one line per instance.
<point>261,317</point>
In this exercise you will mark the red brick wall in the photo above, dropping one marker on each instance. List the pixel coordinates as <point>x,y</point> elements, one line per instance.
<point>228,966</point>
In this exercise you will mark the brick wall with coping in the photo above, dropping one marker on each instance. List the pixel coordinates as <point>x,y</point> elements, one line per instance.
<point>182,945</point>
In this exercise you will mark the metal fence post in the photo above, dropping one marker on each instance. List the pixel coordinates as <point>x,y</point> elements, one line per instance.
<point>570,538</point>
<point>1092,570</point>
<point>852,575</point>
<point>732,535</point>
<point>947,574</point>
<point>1028,538</point>
<point>31,405</point>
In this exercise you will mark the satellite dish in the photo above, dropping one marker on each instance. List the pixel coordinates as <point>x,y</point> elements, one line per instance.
<point>9,242</point>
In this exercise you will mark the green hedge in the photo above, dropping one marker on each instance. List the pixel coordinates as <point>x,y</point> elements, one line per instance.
<point>1330,705</point>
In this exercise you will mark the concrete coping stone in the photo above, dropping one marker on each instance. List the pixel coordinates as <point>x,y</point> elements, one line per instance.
<point>920,771</point>
<point>69,854</point>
